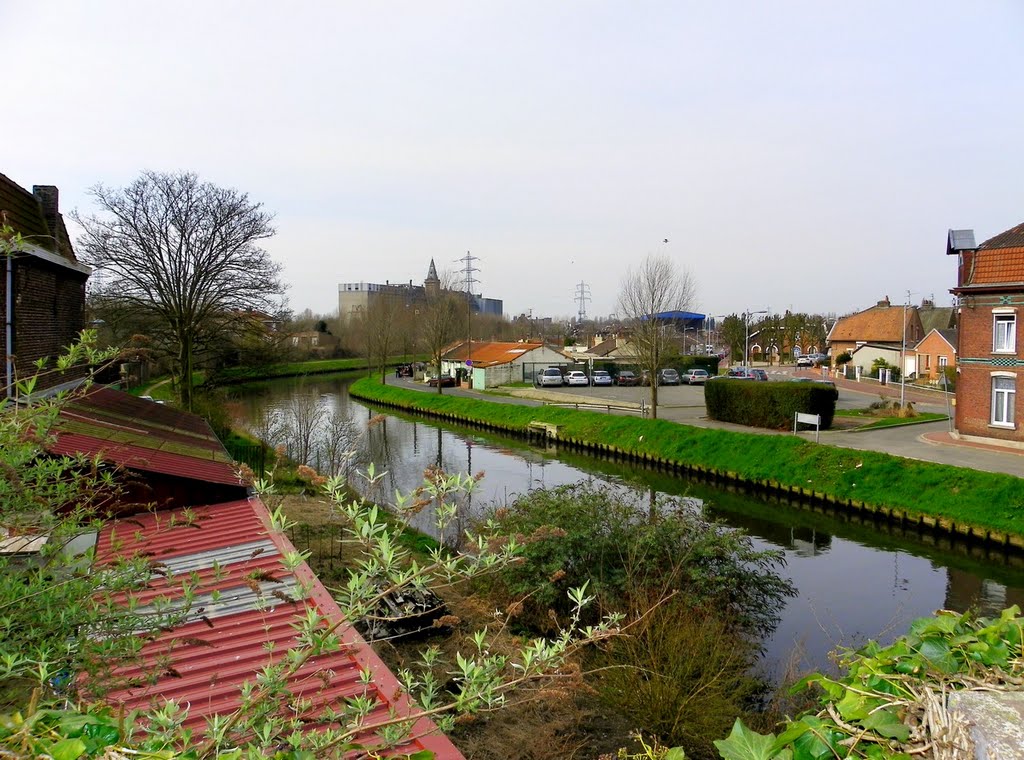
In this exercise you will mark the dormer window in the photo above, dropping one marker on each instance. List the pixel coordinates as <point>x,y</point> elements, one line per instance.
<point>1004,333</point>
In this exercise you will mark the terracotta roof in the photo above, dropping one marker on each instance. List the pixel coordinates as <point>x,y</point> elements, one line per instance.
<point>488,354</point>
<point>1012,238</point>
<point>998,266</point>
<point>879,324</point>
<point>245,599</point>
<point>141,435</point>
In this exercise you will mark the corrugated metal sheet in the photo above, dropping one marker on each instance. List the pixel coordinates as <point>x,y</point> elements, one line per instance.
<point>228,551</point>
<point>146,459</point>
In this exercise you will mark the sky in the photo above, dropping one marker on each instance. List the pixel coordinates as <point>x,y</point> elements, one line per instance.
<point>795,155</point>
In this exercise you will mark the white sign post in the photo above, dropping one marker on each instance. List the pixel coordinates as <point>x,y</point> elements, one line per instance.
<point>808,419</point>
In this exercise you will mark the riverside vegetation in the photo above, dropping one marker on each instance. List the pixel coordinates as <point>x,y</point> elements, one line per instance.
<point>987,501</point>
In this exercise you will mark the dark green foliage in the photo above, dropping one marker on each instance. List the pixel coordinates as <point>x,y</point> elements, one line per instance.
<point>604,537</point>
<point>869,711</point>
<point>844,358</point>
<point>769,405</point>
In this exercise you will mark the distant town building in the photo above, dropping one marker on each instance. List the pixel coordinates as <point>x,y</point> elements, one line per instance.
<point>357,297</point>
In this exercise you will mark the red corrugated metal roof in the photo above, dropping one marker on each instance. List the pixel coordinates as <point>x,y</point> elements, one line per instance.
<point>141,435</point>
<point>203,663</point>
<point>141,458</point>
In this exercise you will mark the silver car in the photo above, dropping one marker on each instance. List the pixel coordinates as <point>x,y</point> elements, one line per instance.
<point>549,376</point>
<point>695,376</point>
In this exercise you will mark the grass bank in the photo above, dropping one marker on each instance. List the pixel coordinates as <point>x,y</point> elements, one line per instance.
<point>951,498</point>
<point>296,369</point>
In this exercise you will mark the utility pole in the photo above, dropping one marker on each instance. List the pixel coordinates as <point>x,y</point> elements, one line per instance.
<point>582,296</point>
<point>468,281</point>
<point>903,355</point>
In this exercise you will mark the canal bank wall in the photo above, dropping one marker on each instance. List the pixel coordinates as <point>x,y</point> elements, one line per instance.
<point>981,509</point>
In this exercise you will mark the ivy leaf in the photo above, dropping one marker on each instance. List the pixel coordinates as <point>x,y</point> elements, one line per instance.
<point>423,754</point>
<point>852,706</point>
<point>938,655</point>
<point>67,749</point>
<point>885,723</point>
<point>744,744</point>
<point>676,753</point>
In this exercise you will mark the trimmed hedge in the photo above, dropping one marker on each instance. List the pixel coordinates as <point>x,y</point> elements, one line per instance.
<point>769,405</point>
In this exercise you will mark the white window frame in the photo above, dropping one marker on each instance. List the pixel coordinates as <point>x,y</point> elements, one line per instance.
<point>943,361</point>
<point>1004,331</point>
<point>1003,400</point>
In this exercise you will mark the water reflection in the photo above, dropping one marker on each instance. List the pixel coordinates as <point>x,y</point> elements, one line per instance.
<point>855,580</point>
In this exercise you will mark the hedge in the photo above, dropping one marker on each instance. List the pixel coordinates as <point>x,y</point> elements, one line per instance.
<point>769,405</point>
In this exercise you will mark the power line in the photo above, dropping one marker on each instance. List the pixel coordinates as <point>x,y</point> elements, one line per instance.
<point>468,270</point>
<point>582,296</point>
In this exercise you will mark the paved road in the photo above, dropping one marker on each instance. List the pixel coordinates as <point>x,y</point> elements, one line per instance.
<point>685,404</point>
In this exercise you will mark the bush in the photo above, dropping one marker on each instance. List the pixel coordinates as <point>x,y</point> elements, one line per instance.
<point>769,405</point>
<point>585,533</point>
<point>681,675</point>
<point>844,358</point>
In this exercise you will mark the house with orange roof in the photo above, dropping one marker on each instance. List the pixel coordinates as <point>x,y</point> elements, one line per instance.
<point>934,353</point>
<point>894,327</point>
<point>493,363</point>
<point>990,362</point>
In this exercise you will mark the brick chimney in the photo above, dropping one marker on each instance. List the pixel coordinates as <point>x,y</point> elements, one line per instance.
<point>47,196</point>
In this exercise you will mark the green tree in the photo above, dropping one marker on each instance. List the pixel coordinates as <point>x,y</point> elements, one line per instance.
<point>183,256</point>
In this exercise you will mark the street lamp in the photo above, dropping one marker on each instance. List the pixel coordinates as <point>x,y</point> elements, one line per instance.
<point>746,340</point>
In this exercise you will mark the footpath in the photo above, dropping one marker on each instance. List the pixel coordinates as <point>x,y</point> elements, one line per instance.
<point>930,441</point>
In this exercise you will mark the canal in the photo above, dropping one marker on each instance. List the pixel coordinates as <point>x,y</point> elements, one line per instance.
<point>854,581</point>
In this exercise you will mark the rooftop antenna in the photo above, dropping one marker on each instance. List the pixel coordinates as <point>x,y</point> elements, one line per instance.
<point>582,296</point>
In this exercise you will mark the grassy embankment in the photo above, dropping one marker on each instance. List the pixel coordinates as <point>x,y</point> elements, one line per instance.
<point>296,369</point>
<point>954,498</point>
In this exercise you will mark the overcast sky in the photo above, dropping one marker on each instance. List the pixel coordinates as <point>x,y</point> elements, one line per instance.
<point>804,155</point>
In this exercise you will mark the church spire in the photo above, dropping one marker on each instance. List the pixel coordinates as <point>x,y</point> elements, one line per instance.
<point>432,285</point>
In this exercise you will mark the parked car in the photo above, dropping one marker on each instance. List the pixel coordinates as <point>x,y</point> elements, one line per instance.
<point>668,376</point>
<point>804,360</point>
<point>744,373</point>
<point>600,377</point>
<point>548,376</point>
<point>626,377</point>
<point>577,378</point>
<point>445,381</point>
<point>695,376</point>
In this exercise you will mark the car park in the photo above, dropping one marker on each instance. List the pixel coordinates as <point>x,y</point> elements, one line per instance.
<point>577,378</point>
<point>549,376</point>
<point>668,376</point>
<point>695,376</point>
<point>626,377</point>
<point>601,377</point>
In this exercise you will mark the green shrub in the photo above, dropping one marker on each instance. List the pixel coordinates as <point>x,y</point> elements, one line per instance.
<point>769,405</point>
<point>585,533</point>
<point>681,675</point>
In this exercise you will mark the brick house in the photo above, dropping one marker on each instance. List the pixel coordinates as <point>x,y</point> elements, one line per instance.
<point>936,351</point>
<point>885,325</point>
<point>43,293</point>
<point>990,361</point>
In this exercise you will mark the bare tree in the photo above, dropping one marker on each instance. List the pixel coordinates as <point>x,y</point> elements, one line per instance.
<point>442,321</point>
<point>657,285</point>
<point>185,254</point>
<point>305,413</point>
<point>381,323</point>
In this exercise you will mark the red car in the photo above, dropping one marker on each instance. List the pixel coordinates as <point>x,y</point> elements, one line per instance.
<point>627,378</point>
<point>445,381</point>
